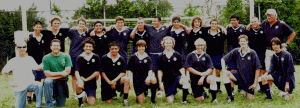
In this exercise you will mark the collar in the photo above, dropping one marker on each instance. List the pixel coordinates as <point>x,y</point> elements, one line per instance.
<point>217,31</point>
<point>236,27</point>
<point>197,30</point>
<point>276,23</point>
<point>198,57</point>
<point>165,51</point>
<point>123,28</point>
<point>240,51</point>
<point>141,34</point>
<point>178,29</point>
<point>101,34</point>
<point>55,33</point>
<point>86,57</point>
<point>36,37</point>
<point>109,55</point>
<point>136,54</point>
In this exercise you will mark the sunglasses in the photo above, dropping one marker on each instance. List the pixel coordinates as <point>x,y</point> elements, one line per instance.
<point>21,47</point>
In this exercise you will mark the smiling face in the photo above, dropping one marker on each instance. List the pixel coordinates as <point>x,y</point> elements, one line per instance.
<point>81,24</point>
<point>114,50</point>
<point>120,23</point>
<point>98,27</point>
<point>55,47</point>
<point>156,23</point>
<point>168,44</point>
<point>214,25</point>
<point>243,42</point>
<point>22,49</point>
<point>55,24</point>
<point>141,49</point>
<point>37,28</point>
<point>234,22</point>
<point>197,23</point>
<point>176,23</point>
<point>88,48</point>
<point>271,18</point>
<point>255,22</point>
<point>141,23</point>
<point>276,47</point>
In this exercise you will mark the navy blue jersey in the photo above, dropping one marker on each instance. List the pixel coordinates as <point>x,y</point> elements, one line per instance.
<point>61,35</point>
<point>76,39</point>
<point>257,39</point>
<point>102,43</point>
<point>87,67</point>
<point>282,63</point>
<point>112,69</point>
<point>139,67</point>
<point>180,41</point>
<point>156,36</point>
<point>233,35</point>
<point>170,66</point>
<point>215,43</point>
<point>141,36</point>
<point>247,64</point>
<point>38,49</point>
<point>279,29</point>
<point>122,37</point>
<point>200,63</point>
<point>193,36</point>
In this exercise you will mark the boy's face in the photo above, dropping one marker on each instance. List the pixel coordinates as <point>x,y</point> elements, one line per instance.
<point>55,47</point>
<point>214,25</point>
<point>234,22</point>
<point>156,23</point>
<point>200,47</point>
<point>88,48</point>
<point>98,27</point>
<point>197,23</point>
<point>141,48</point>
<point>243,42</point>
<point>176,23</point>
<point>81,24</point>
<point>114,50</point>
<point>120,23</point>
<point>141,23</point>
<point>275,46</point>
<point>55,24</point>
<point>37,28</point>
<point>168,44</point>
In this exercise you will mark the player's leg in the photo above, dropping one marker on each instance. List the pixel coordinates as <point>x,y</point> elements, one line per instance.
<point>79,91</point>
<point>125,81</point>
<point>265,86</point>
<point>211,80</point>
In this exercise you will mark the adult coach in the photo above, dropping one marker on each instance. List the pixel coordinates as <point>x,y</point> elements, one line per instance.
<point>57,67</point>
<point>22,67</point>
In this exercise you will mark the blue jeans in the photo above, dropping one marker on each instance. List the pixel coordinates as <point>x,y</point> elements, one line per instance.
<point>21,96</point>
<point>48,92</point>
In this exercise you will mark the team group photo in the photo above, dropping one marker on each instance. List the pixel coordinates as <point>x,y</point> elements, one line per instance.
<point>245,57</point>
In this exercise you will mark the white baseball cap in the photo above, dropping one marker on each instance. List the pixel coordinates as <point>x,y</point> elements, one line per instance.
<point>271,12</point>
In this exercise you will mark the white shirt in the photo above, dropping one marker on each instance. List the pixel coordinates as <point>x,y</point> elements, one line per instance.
<point>22,71</point>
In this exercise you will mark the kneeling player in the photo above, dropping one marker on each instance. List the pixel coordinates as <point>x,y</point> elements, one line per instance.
<point>248,69</point>
<point>140,64</point>
<point>281,70</point>
<point>170,67</point>
<point>113,75</point>
<point>200,65</point>
<point>87,68</point>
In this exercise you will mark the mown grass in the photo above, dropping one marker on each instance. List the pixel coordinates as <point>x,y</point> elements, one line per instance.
<point>7,99</point>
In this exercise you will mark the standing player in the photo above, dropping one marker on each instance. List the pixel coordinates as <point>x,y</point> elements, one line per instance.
<point>140,64</point>
<point>200,65</point>
<point>248,69</point>
<point>171,71</point>
<point>140,34</point>
<point>281,70</point>
<point>22,67</point>
<point>87,69</point>
<point>113,75</point>
<point>215,48</point>
<point>57,67</point>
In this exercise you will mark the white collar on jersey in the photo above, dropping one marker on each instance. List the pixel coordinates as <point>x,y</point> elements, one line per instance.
<point>141,57</point>
<point>140,34</point>
<point>198,57</point>
<point>87,58</point>
<point>101,34</point>
<point>181,29</point>
<point>114,60</point>
<point>208,31</point>
<point>123,28</point>
<point>35,35</point>
<point>240,51</point>
<point>236,27</point>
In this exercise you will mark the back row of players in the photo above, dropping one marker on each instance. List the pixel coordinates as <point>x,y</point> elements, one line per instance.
<point>165,59</point>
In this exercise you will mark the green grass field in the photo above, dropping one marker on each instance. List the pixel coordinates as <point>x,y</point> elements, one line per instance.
<point>7,99</point>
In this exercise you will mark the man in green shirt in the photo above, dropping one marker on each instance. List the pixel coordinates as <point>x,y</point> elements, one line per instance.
<point>56,66</point>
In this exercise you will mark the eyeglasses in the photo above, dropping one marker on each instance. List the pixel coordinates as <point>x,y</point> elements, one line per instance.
<point>21,47</point>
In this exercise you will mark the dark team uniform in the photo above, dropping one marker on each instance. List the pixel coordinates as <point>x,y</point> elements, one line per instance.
<point>112,70</point>
<point>200,63</point>
<point>61,35</point>
<point>232,41</point>
<point>279,29</point>
<point>193,36</point>
<point>215,47</point>
<point>171,75</point>
<point>37,49</point>
<point>140,68</point>
<point>180,41</point>
<point>102,43</point>
<point>282,70</point>
<point>257,42</point>
<point>246,66</point>
<point>86,68</point>
<point>141,36</point>
<point>155,48</point>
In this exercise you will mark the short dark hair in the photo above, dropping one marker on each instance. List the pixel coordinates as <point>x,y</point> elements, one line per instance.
<point>114,43</point>
<point>81,19</point>
<point>276,40</point>
<point>243,36</point>
<point>55,40</point>
<point>176,18</point>
<point>235,16</point>
<point>98,22</point>
<point>38,23</point>
<point>196,18</point>
<point>120,18</point>
<point>88,40</point>
<point>141,43</point>
<point>159,18</point>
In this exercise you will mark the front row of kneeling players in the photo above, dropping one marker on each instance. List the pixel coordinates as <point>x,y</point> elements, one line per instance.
<point>171,72</point>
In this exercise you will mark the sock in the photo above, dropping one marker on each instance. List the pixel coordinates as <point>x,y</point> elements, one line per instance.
<point>240,87</point>
<point>266,88</point>
<point>261,86</point>
<point>213,94</point>
<point>228,89</point>
<point>125,96</point>
<point>153,92</point>
<point>79,99</point>
<point>185,92</point>
<point>232,89</point>
<point>218,85</point>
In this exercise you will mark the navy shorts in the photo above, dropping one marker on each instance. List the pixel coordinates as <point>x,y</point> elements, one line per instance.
<point>278,81</point>
<point>198,90</point>
<point>217,61</point>
<point>139,87</point>
<point>73,59</point>
<point>171,85</point>
<point>262,56</point>
<point>154,58</point>
<point>38,75</point>
<point>89,91</point>
<point>107,92</point>
<point>241,82</point>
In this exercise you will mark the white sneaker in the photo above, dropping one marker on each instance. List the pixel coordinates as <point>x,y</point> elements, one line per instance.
<point>216,101</point>
<point>75,96</point>
<point>149,95</point>
<point>283,94</point>
<point>159,94</point>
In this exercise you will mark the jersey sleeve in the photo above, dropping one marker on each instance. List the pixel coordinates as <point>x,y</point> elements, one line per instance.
<point>130,63</point>
<point>256,60</point>
<point>99,64</point>
<point>123,66</point>
<point>33,63</point>
<point>46,64</point>
<point>229,56</point>
<point>150,63</point>
<point>68,61</point>
<point>188,62</point>
<point>287,29</point>
<point>272,65</point>
<point>77,64</point>
<point>290,63</point>
<point>70,33</point>
<point>209,62</point>
<point>159,63</point>
<point>8,67</point>
<point>181,60</point>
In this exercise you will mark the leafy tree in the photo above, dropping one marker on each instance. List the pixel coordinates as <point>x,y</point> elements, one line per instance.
<point>56,10</point>
<point>190,11</point>
<point>235,7</point>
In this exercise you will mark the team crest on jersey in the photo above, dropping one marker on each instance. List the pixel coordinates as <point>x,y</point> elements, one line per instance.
<point>163,28</point>
<point>124,34</point>
<point>113,64</point>
<point>241,30</point>
<point>119,63</point>
<point>276,27</point>
<point>200,32</point>
<point>83,34</point>
<point>282,59</point>
<point>261,32</point>
<point>93,60</point>
<point>42,41</point>
<point>175,59</point>
<point>63,62</point>
<point>218,34</point>
<point>104,36</point>
<point>249,58</point>
<point>60,34</point>
<point>145,61</point>
<point>182,34</point>
<point>203,59</point>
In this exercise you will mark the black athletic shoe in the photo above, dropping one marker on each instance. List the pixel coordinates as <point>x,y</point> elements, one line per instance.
<point>219,91</point>
<point>229,99</point>
<point>34,97</point>
<point>29,101</point>
<point>268,99</point>
<point>153,102</point>
<point>186,102</point>
<point>205,95</point>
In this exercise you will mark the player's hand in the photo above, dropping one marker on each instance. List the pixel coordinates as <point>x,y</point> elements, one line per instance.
<point>130,86</point>
<point>113,86</point>
<point>85,29</point>
<point>287,87</point>
<point>92,33</point>
<point>80,83</point>
<point>252,87</point>
<point>26,39</point>
<point>248,27</point>
<point>283,46</point>
<point>12,84</point>
<point>161,87</point>
<point>229,25</point>
<point>83,79</point>
<point>114,82</point>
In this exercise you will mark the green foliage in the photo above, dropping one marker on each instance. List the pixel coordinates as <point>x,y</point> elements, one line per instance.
<point>235,7</point>
<point>94,9</point>
<point>56,10</point>
<point>191,11</point>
